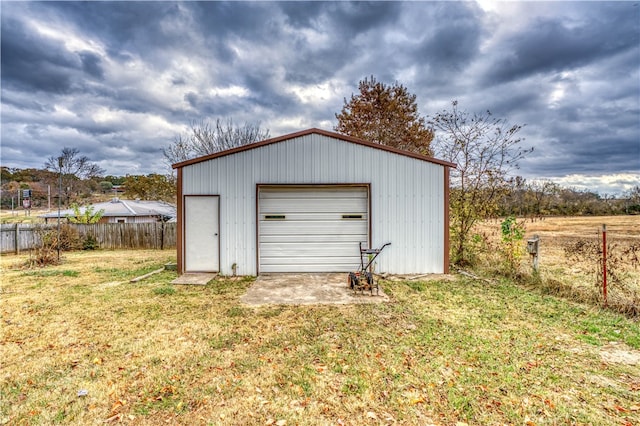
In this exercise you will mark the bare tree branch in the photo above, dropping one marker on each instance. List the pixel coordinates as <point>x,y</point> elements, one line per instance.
<point>204,138</point>
<point>486,150</point>
<point>74,168</point>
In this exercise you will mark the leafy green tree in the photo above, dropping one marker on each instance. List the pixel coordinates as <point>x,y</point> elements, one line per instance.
<point>387,115</point>
<point>151,187</point>
<point>87,216</point>
<point>115,180</point>
<point>106,186</point>
<point>6,175</point>
<point>486,150</point>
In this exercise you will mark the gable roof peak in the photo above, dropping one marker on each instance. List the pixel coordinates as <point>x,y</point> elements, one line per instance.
<point>313,130</point>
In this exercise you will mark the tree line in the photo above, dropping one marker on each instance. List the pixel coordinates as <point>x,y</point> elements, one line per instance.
<point>44,186</point>
<point>485,148</point>
<point>522,198</point>
<point>537,199</point>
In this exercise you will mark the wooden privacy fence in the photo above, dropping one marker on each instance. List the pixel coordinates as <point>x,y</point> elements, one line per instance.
<point>15,238</point>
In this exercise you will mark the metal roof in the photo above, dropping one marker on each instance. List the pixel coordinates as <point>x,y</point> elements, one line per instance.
<point>124,208</point>
<point>308,132</point>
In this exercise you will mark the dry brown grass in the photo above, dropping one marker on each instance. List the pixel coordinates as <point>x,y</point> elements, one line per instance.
<point>578,279</point>
<point>440,352</point>
<point>582,226</point>
<point>18,216</point>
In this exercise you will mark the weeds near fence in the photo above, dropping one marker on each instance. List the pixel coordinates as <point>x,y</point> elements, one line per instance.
<point>48,242</point>
<point>498,252</point>
<point>511,248</point>
<point>587,255</point>
<point>45,252</point>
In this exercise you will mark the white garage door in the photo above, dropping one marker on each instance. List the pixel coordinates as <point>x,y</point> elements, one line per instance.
<point>312,229</point>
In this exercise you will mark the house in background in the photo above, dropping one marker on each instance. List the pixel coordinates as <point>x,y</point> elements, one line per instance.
<point>303,202</point>
<point>124,211</point>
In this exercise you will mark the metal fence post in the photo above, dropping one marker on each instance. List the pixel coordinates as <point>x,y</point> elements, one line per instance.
<point>604,263</point>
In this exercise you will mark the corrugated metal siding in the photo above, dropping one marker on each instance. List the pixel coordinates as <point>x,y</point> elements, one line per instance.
<point>407,197</point>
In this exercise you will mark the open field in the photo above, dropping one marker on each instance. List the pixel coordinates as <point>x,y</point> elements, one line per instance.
<point>582,272</point>
<point>82,345</point>
<point>18,216</point>
<point>624,227</point>
<point>622,232</point>
<point>555,232</point>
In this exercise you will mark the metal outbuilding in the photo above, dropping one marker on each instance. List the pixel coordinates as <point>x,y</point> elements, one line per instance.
<point>302,202</point>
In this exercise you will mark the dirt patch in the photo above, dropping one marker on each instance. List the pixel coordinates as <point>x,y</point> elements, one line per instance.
<point>619,353</point>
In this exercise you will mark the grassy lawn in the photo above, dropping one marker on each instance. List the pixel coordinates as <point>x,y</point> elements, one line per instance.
<point>441,352</point>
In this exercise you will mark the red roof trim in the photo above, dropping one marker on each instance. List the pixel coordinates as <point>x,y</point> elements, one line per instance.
<point>309,132</point>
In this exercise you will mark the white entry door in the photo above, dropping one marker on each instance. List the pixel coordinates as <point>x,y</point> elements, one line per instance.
<point>201,233</point>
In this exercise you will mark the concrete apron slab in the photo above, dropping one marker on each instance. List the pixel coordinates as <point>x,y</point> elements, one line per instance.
<point>193,278</point>
<point>306,289</point>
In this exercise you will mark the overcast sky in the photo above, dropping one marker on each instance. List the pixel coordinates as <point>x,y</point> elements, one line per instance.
<point>120,80</point>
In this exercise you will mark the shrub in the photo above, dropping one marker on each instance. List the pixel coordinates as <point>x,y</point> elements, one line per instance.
<point>511,248</point>
<point>45,251</point>
<point>89,243</point>
<point>69,238</point>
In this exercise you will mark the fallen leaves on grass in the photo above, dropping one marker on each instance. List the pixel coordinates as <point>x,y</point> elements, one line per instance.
<point>470,354</point>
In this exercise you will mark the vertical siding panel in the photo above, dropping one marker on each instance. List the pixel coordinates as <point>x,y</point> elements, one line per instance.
<point>429,219</point>
<point>322,161</point>
<point>402,210</point>
<point>423,242</point>
<point>380,207</point>
<point>425,208</point>
<point>412,199</point>
<point>336,170</point>
<point>309,158</point>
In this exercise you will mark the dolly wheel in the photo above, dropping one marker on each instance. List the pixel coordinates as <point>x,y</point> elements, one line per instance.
<point>373,284</point>
<point>353,281</point>
<point>370,282</point>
